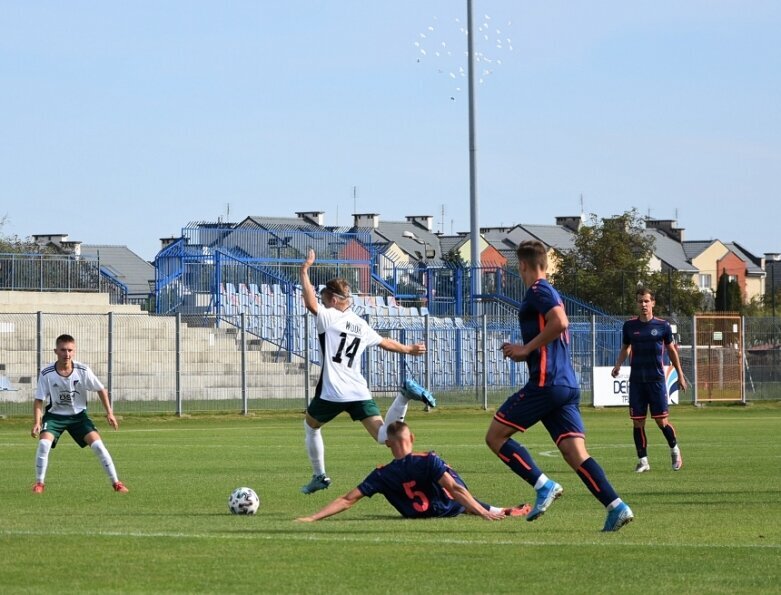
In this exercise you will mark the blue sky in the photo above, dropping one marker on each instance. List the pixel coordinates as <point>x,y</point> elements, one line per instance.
<point>120,122</point>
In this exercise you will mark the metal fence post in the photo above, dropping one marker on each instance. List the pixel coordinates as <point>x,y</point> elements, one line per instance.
<point>244,402</point>
<point>178,364</point>
<point>593,356</point>
<point>427,342</point>
<point>38,339</point>
<point>694,359</point>
<point>110,370</point>
<point>484,363</point>
<point>744,359</point>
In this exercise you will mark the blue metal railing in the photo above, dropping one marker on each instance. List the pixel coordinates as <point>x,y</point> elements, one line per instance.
<point>210,254</point>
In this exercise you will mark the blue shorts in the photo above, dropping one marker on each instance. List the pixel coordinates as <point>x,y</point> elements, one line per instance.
<point>557,407</point>
<point>645,395</point>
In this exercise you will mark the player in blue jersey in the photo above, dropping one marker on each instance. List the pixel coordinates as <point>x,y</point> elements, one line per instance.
<point>646,339</point>
<point>418,485</point>
<point>63,387</point>
<point>551,395</point>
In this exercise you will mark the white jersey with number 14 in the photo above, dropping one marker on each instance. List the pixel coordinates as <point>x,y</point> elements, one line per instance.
<point>344,336</point>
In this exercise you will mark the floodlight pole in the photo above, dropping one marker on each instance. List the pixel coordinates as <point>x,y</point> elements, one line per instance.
<point>474,235</point>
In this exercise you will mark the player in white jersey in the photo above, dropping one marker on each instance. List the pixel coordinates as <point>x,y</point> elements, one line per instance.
<point>344,336</point>
<point>63,386</point>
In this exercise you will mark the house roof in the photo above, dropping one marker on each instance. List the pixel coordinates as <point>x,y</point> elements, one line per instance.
<point>286,238</point>
<point>553,236</point>
<point>753,264</point>
<point>280,223</point>
<point>670,252</point>
<point>506,239</point>
<point>124,264</point>
<point>451,243</point>
<point>693,248</point>
<point>393,231</point>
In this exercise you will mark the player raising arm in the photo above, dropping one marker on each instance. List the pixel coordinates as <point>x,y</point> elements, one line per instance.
<point>344,336</point>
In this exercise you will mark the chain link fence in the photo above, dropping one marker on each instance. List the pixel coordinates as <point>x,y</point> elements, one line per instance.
<point>178,365</point>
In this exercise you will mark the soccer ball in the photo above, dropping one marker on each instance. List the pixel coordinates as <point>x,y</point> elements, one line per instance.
<point>243,501</point>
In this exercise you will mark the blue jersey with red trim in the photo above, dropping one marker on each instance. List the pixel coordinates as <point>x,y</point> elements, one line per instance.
<point>411,486</point>
<point>550,365</point>
<point>649,341</point>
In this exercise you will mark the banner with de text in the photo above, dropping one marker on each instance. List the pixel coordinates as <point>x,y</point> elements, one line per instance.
<point>614,392</point>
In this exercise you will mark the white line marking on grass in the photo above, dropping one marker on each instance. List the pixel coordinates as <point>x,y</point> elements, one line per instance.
<point>209,429</point>
<point>385,538</point>
<point>556,453</point>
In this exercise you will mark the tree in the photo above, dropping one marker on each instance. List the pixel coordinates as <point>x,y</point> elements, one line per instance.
<point>611,259</point>
<point>14,244</point>
<point>675,293</point>
<point>728,295</point>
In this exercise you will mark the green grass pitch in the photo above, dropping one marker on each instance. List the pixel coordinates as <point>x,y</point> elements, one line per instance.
<point>713,527</point>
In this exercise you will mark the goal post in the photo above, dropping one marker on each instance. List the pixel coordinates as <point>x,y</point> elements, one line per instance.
<point>719,358</point>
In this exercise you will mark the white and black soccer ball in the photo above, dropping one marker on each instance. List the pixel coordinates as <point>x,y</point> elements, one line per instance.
<point>243,501</point>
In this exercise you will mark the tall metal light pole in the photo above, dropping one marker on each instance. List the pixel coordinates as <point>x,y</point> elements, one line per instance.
<point>474,234</point>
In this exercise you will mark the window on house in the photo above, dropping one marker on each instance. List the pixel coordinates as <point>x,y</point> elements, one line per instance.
<point>705,281</point>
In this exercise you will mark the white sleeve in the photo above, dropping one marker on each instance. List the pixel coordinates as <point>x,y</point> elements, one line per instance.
<point>42,390</point>
<point>91,382</point>
<point>370,336</point>
<point>323,319</point>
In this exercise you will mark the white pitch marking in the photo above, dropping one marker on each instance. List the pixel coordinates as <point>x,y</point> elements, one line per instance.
<point>385,538</point>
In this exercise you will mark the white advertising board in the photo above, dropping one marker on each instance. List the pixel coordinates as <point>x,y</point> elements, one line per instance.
<point>614,392</point>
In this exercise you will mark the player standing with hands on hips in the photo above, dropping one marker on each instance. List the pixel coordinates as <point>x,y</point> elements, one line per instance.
<point>344,336</point>
<point>551,395</point>
<point>64,384</point>
<point>647,338</point>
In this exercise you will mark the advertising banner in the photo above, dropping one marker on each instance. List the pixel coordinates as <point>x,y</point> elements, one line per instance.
<point>614,392</point>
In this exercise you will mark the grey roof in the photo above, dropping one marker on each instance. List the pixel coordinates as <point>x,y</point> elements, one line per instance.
<point>693,248</point>
<point>557,237</point>
<point>279,222</point>
<point>561,238</point>
<point>506,239</point>
<point>124,264</point>
<point>553,236</point>
<point>670,252</point>
<point>450,243</point>
<point>753,263</point>
<point>393,231</point>
<point>286,238</point>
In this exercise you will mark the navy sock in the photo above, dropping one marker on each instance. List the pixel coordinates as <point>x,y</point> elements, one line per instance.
<point>669,433</point>
<point>640,442</point>
<point>594,477</point>
<point>517,458</point>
